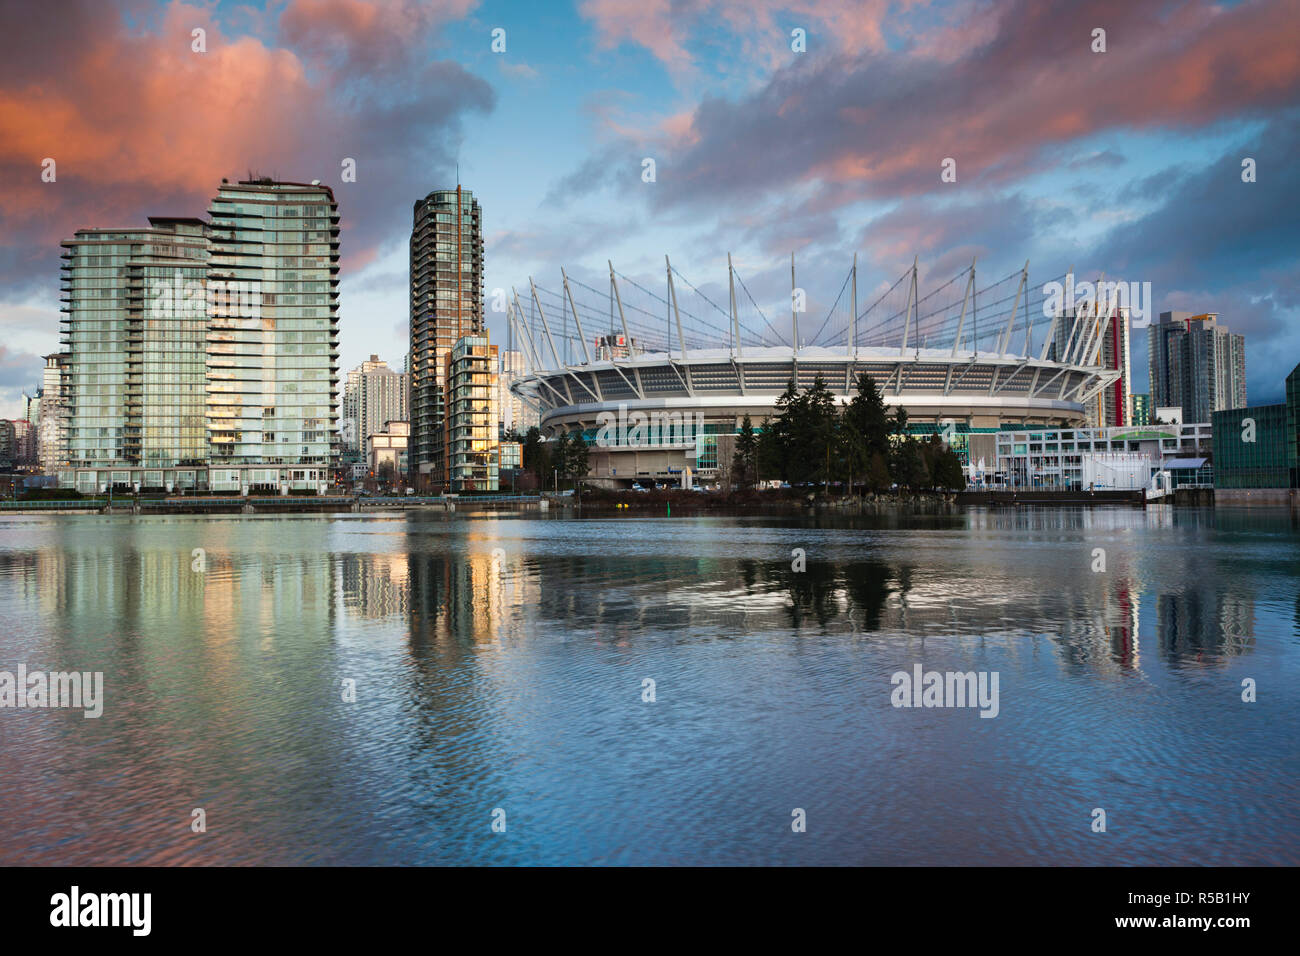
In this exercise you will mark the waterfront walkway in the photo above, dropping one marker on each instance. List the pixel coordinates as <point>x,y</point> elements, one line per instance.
<point>267,504</point>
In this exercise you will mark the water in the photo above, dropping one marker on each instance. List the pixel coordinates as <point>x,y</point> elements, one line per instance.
<point>514,680</point>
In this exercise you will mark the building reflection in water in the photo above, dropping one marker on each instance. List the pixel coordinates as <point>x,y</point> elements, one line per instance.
<point>992,575</point>
<point>1030,578</point>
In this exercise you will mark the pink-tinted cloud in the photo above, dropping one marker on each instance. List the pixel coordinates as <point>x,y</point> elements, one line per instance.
<point>138,122</point>
<point>365,36</point>
<point>653,24</point>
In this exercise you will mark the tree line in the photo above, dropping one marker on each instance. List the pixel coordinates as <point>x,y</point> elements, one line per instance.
<point>564,460</point>
<point>811,440</point>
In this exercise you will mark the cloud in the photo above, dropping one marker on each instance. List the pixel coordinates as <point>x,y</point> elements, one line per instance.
<point>1102,159</point>
<point>1217,244</point>
<point>880,121</point>
<point>647,23</point>
<point>1210,226</point>
<point>757,32</point>
<point>364,38</point>
<point>521,70</point>
<point>140,124</point>
<point>19,369</point>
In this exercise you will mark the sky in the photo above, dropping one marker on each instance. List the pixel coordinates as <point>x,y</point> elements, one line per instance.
<point>1127,161</point>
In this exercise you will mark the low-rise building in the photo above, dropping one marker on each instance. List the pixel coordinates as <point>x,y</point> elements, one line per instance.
<point>199,479</point>
<point>1115,458</point>
<point>1257,449</point>
<point>386,451</point>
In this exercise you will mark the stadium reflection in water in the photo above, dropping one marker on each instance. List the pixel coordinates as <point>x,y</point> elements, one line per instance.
<point>502,662</point>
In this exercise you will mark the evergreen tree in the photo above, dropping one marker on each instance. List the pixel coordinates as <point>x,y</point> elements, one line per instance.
<point>898,457</point>
<point>745,462</point>
<point>576,460</point>
<point>878,477</point>
<point>818,431</point>
<point>913,472</point>
<point>537,458</point>
<point>945,466</point>
<point>853,451</point>
<point>560,459</point>
<point>869,417</point>
<point>782,433</point>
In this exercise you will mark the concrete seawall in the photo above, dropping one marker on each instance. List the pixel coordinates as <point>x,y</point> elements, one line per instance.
<point>1134,498</point>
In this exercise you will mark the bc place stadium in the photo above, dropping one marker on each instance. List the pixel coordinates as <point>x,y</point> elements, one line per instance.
<point>652,375</point>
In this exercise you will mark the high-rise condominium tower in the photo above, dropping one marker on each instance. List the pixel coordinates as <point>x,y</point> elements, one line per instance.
<point>272,364</point>
<point>514,415</point>
<point>1113,404</point>
<point>1196,364</point>
<point>466,440</point>
<point>196,343</point>
<point>373,396</point>
<point>446,305</point>
<point>134,326</point>
<point>51,431</point>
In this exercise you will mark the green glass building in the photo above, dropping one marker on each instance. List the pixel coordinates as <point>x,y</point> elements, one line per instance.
<point>1257,446</point>
<point>1141,411</point>
<point>1293,425</point>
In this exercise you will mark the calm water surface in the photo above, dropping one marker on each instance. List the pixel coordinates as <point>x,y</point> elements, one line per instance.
<point>499,662</point>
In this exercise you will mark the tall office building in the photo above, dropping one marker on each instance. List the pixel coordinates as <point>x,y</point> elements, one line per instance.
<point>24,443</point>
<point>31,405</point>
<point>373,396</point>
<point>133,329</point>
<point>446,305</point>
<point>272,362</point>
<point>8,443</point>
<point>1196,365</point>
<point>17,443</point>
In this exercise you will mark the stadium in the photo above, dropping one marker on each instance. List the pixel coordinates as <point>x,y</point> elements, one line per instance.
<point>653,379</point>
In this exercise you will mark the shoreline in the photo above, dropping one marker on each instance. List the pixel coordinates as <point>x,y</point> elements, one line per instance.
<point>656,503</point>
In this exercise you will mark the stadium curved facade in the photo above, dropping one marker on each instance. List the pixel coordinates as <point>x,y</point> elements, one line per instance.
<point>658,414</point>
